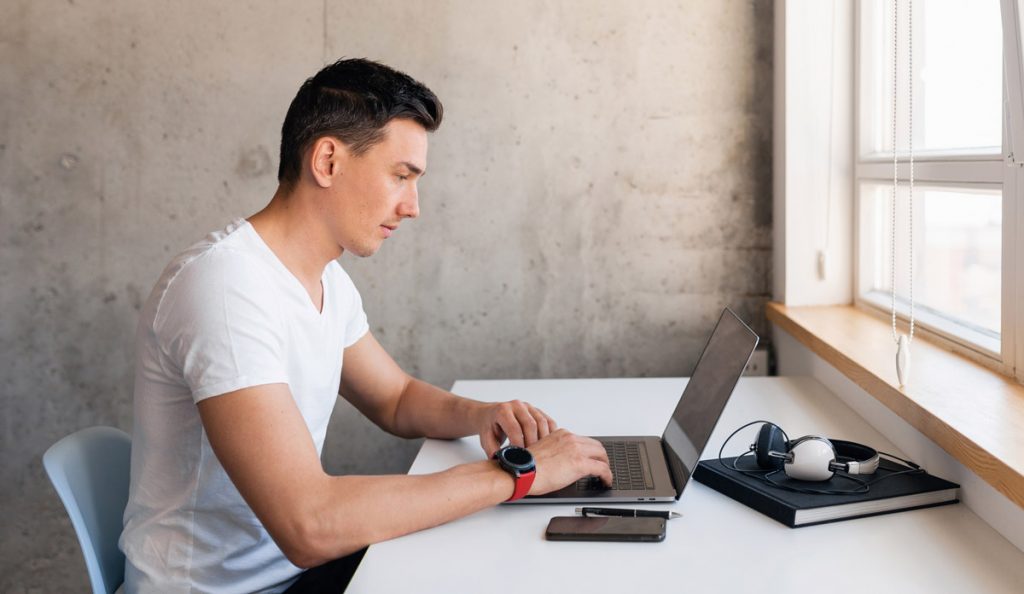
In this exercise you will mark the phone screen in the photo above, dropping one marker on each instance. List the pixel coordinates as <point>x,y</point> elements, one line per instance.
<point>606,528</point>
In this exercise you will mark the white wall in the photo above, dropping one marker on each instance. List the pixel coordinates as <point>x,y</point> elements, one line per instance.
<point>813,159</point>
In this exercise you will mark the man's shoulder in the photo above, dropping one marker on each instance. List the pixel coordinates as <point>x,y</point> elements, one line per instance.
<point>223,254</point>
<point>223,259</point>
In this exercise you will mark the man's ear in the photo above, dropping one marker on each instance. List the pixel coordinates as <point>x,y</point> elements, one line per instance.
<point>326,158</point>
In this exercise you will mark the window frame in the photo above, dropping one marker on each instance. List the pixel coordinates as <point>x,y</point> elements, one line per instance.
<point>967,168</point>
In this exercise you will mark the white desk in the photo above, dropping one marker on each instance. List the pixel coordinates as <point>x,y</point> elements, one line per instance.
<point>718,545</point>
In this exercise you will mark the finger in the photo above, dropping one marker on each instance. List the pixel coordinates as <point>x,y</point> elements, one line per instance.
<point>543,428</point>
<point>527,424</point>
<point>594,449</point>
<point>508,423</point>
<point>601,469</point>
<point>552,426</point>
<point>489,442</point>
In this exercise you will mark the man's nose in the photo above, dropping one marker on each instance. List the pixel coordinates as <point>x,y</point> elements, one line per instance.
<point>410,206</point>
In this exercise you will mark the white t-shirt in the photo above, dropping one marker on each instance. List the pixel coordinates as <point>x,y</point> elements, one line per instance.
<point>226,314</point>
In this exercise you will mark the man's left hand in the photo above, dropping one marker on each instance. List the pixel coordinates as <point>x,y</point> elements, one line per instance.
<point>521,423</point>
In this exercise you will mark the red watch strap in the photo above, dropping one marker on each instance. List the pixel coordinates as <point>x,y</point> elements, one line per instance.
<point>523,483</point>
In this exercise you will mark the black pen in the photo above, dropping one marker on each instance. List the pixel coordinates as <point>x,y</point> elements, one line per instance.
<point>626,513</point>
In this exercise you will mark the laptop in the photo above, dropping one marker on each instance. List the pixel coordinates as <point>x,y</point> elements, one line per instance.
<point>657,469</point>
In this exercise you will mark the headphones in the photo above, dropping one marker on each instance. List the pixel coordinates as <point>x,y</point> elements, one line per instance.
<point>811,458</point>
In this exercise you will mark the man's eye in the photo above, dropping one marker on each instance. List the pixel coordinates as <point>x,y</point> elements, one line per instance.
<point>402,177</point>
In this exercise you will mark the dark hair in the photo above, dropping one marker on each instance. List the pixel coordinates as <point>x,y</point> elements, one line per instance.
<point>352,100</point>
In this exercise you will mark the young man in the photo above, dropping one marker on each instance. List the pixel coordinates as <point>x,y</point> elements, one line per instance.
<point>241,350</point>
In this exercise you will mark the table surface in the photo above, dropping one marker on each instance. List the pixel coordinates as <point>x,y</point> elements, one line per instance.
<point>719,545</point>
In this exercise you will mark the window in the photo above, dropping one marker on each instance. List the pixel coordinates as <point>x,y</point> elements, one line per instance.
<point>959,168</point>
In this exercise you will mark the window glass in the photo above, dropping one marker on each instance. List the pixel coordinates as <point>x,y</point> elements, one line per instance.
<point>957,76</point>
<point>957,250</point>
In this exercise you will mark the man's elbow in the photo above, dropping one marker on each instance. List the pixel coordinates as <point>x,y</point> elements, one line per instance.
<point>303,559</point>
<point>309,544</point>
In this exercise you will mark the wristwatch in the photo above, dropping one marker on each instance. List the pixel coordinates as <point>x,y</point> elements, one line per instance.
<point>519,463</point>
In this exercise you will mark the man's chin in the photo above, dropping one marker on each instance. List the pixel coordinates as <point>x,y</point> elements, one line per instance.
<point>363,251</point>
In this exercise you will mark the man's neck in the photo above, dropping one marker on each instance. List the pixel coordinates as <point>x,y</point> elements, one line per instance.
<point>293,231</point>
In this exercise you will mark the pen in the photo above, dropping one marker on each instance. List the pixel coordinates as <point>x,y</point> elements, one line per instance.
<point>626,513</point>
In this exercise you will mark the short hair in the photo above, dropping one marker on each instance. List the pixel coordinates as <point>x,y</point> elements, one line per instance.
<point>352,100</point>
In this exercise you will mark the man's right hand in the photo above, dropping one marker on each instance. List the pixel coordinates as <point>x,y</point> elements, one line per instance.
<point>563,458</point>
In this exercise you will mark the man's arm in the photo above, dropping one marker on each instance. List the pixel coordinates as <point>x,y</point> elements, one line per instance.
<point>409,407</point>
<point>260,438</point>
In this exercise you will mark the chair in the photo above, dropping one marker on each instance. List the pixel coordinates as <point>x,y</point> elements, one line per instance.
<point>89,469</point>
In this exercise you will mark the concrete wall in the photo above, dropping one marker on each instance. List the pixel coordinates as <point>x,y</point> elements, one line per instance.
<point>599,190</point>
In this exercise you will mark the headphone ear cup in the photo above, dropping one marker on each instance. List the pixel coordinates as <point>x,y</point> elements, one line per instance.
<point>812,457</point>
<point>769,439</point>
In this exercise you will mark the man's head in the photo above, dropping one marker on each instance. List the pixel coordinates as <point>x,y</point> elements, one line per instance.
<point>351,100</point>
<point>357,133</point>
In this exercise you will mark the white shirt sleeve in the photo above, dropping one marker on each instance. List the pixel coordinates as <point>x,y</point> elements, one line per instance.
<point>219,326</point>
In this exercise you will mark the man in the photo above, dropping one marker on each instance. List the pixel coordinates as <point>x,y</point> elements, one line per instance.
<point>241,351</point>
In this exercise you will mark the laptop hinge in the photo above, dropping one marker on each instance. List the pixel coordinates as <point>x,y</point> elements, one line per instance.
<point>671,461</point>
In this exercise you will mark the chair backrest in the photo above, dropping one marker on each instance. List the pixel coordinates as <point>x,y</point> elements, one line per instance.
<point>89,469</point>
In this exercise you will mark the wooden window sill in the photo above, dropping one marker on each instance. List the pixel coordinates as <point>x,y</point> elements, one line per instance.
<point>974,413</point>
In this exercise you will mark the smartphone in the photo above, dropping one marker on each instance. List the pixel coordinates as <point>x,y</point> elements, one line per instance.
<point>606,528</point>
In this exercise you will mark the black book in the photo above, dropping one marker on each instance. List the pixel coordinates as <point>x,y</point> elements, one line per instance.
<point>795,509</point>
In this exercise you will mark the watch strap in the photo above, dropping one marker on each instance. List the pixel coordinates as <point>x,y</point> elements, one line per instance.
<point>524,480</point>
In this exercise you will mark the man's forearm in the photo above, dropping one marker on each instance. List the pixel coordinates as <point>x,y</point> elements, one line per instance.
<point>351,512</point>
<point>425,410</point>
<point>262,440</point>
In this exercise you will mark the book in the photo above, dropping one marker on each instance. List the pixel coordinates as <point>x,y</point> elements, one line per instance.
<point>897,493</point>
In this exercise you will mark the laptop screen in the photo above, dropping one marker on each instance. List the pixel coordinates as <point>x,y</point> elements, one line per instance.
<point>718,369</point>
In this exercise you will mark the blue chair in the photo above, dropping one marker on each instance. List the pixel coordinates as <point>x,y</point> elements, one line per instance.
<point>89,469</point>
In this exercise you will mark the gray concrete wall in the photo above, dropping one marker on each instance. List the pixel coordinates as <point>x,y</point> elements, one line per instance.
<point>599,190</point>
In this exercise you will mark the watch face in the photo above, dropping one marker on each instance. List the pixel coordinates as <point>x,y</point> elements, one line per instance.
<point>520,458</point>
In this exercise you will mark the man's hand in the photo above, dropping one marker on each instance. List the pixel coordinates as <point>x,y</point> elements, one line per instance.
<point>563,458</point>
<point>520,422</point>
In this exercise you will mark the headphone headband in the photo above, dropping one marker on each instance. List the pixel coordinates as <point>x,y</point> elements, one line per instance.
<point>859,458</point>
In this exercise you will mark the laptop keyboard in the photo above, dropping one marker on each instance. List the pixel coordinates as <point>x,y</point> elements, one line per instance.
<point>627,469</point>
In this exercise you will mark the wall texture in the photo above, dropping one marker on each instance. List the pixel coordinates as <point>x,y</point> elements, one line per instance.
<point>599,190</point>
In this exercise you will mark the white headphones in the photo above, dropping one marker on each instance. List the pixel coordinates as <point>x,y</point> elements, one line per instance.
<point>811,458</point>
